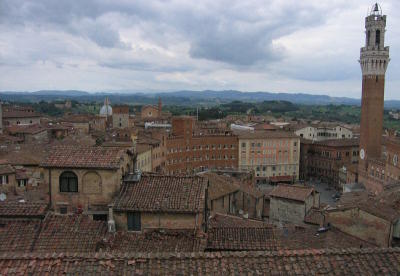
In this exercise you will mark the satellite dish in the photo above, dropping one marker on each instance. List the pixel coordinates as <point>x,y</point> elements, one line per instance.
<point>3,197</point>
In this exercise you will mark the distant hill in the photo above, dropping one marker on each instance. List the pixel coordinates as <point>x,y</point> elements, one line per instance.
<point>187,97</point>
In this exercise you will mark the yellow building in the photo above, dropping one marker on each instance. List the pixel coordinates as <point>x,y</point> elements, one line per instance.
<point>85,179</point>
<point>272,155</point>
<point>143,161</point>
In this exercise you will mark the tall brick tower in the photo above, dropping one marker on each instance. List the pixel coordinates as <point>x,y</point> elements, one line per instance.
<point>374,59</point>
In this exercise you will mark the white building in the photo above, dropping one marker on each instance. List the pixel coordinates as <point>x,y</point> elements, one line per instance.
<point>324,132</point>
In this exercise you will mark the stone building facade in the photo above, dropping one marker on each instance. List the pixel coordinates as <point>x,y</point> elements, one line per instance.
<point>274,156</point>
<point>84,179</point>
<point>161,202</point>
<point>323,160</point>
<point>143,158</point>
<point>323,132</point>
<point>292,203</point>
<point>229,195</point>
<point>120,116</point>
<point>17,115</point>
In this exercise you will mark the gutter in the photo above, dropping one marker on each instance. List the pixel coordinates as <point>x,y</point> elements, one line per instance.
<point>50,201</point>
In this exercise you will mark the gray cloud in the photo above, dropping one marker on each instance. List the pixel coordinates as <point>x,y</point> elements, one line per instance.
<point>177,43</point>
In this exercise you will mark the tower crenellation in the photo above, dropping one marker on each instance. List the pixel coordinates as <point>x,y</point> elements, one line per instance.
<point>374,56</point>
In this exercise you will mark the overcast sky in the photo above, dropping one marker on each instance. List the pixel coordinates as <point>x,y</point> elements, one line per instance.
<point>307,46</point>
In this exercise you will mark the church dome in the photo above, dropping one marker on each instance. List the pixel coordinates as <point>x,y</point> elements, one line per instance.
<point>106,109</point>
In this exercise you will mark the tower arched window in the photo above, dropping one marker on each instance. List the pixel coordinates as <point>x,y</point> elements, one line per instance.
<point>368,37</point>
<point>68,182</point>
<point>377,37</point>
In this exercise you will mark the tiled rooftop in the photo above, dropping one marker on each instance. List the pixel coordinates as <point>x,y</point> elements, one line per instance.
<point>293,192</point>
<point>6,169</point>
<point>69,233</point>
<point>385,205</point>
<point>18,112</point>
<point>222,220</point>
<point>302,262</point>
<point>83,157</point>
<point>22,209</point>
<point>221,185</point>
<point>18,235</point>
<point>25,129</point>
<point>156,193</point>
<point>267,238</point>
<point>154,241</point>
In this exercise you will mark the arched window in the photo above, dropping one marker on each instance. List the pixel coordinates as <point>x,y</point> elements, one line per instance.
<point>377,37</point>
<point>68,182</point>
<point>368,37</point>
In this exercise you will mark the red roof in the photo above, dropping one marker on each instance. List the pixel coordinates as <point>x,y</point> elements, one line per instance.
<point>155,241</point>
<point>83,157</point>
<point>69,233</point>
<point>379,261</point>
<point>25,129</point>
<point>268,238</point>
<point>223,220</point>
<point>293,192</point>
<point>161,193</point>
<point>22,209</point>
<point>17,235</point>
<point>19,112</point>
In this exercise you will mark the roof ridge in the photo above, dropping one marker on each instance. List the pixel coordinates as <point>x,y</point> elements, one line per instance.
<point>191,255</point>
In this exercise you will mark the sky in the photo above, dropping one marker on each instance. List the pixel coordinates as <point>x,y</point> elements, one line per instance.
<point>309,46</point>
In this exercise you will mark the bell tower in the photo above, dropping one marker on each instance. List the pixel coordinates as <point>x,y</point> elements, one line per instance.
<point>374,59</point>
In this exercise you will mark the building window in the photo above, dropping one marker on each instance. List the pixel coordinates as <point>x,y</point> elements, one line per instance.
<point>4,179</point>
<point>63,210</point>
<point>134,221</point>
<point>100,217</point>
<point>68,182</point>
<point>378,37</point>
<point>22,182</point>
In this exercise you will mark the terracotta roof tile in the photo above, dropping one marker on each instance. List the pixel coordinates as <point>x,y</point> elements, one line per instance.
<point>83,157</point>
<point>155,193</point>
<point>154,241</point>
<point>267,238</point>
<point>6,169</point>
<point>69,233</point>
<point>18,235</point>
<point>220,185</point>
<point>19,112</point>
<point>25,129</point>
<point>222,220</point>
<point>385,261</point>
<point>22,209</point>
<point>293,192</point>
